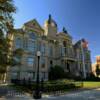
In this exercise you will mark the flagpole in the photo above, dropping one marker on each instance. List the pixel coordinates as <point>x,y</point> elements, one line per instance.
<point>83,60</point>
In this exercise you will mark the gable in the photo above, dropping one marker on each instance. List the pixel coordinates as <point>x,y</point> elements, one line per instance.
<point>34,25</point>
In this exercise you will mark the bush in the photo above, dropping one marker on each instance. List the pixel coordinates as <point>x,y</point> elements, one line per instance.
<point>56,72</point>
<point>51,86</point>
<point>58,87</point>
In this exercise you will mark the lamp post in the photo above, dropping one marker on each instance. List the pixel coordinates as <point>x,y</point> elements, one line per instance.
<point>37,94</point>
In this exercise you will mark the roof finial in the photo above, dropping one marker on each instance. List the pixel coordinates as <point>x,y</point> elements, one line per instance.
<point>49,20</point>
<point>64,30</point>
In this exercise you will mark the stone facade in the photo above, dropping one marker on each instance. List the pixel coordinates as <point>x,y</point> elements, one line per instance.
<point>56,49</point>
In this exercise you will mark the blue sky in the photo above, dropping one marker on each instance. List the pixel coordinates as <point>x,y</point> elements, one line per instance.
<point>80,17</point>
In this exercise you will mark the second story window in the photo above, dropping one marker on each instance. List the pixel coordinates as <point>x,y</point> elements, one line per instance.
<point>62,51</point>
<point>30,61</point>
<point>43,48</point>
<point>31,46</point>
<point>50,51</point>
<point>18,42</point>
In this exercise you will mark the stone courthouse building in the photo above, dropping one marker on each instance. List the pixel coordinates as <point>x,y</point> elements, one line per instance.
<point>56,48</point>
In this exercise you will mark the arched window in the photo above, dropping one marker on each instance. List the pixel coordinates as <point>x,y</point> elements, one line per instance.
<point>18,42</point>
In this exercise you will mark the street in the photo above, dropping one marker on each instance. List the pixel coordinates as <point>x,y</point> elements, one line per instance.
<point>82,95</point>
<point>93,94</point>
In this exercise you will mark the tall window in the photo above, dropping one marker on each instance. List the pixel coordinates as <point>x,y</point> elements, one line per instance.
<point>43,75</point>
<point>18,42</point>
<point>62,51</point>
<point>31,75</point>
<point>31,45</point>
<point>65,50</point>
<point>25,44</point>
<point>81,56</point>
<point>42,62</point>
<point>43,48</point>
<point>30,61</point>
<point>50,51</point>
<point>86,67</point>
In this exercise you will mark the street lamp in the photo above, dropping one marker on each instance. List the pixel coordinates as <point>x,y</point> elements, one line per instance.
<point>37,94</point>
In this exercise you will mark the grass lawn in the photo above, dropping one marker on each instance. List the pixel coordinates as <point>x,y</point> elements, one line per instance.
<point>91,84</point>
<point>86,84</point>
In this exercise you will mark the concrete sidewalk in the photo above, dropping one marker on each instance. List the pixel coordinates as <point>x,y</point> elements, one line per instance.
<point>93,94</point>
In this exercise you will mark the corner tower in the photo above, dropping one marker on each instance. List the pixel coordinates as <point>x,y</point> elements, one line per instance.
<point>50,27</point>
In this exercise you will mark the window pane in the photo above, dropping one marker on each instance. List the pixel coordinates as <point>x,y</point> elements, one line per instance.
<point>25,44</point>
<point>43,75</point>
<point>32,35</point>
<point>31,46</point>
<point>30,61</point>
<point>31,75</point>
<point>62,51</point>
<point>42,62</point>
<point>43,48</point>
<point>18,43</point>
<point>50,51</point>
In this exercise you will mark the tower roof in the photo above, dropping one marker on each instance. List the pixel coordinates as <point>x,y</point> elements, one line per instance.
<point>50,21</point>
